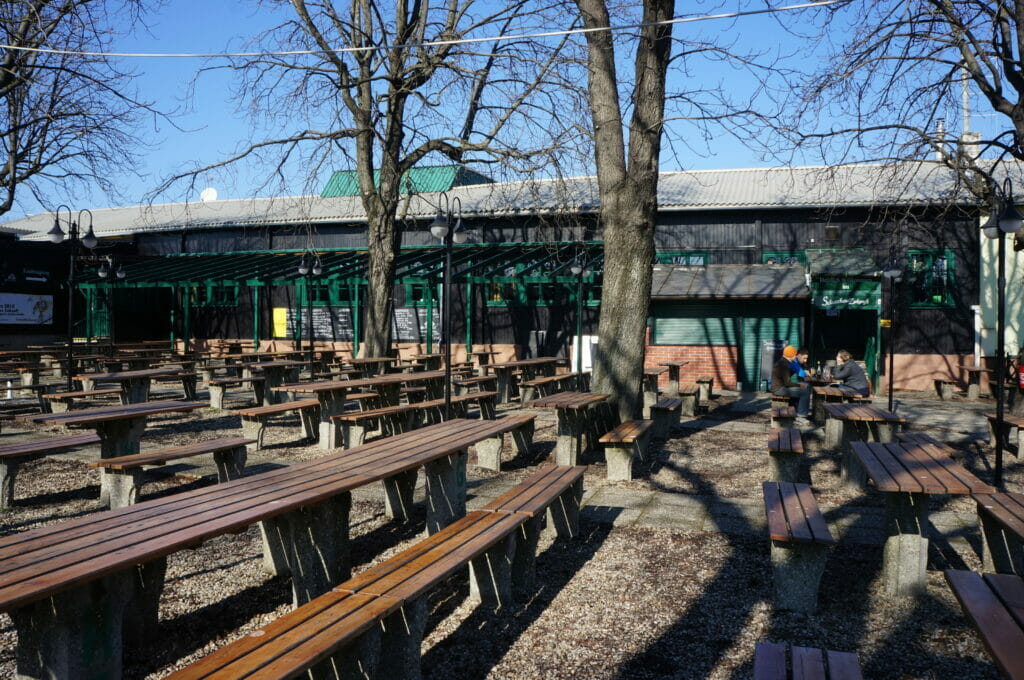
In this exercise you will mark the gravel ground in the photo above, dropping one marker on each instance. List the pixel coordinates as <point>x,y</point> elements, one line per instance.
<point>620,602</point>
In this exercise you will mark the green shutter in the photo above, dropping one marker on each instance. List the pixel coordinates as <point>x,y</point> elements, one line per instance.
<point>695,324</point>
<point>774,322</point>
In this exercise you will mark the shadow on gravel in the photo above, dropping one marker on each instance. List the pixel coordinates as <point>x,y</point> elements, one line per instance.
<point>484,637</point>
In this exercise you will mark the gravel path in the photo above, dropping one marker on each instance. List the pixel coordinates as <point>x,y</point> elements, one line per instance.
<point>625,600</point>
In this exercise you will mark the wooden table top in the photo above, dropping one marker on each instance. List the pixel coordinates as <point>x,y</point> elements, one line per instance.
<point>863,412</point>
<point>536,361</point>
<point>912,467</point>
<point>828,391</point>
<point>129,375</point>
<point>426,356</point>
<point>333,385</point>
<point>975,369</point>
<point>481,352</point>
<point>656,370</point>
<point>103,414</point>
<point>570,400</point>
<point>677,363</point>
<point>274,364</point>
<point>37,563</point>
<point>372,360</point>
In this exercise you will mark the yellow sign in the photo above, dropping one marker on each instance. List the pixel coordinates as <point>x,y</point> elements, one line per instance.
<point>280,322</point>
<point>885,323</point>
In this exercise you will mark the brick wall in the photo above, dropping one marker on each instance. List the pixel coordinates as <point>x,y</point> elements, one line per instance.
<point>718,361</point>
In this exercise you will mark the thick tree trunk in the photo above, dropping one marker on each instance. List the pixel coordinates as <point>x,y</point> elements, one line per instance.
<point>628,186</point>
<point>380,284</point>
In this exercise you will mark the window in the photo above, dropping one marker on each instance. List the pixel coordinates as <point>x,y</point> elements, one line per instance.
<point>690,258</point>
<point>784,257</point>
<point>929,279</point>
<point>419,295</point>
<point>331,294</point>
<point>214,296</point>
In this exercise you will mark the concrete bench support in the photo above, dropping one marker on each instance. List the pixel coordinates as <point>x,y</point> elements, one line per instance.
<point>784,466</point>
<point>906,548</point>
<point>666,415</point>
<point>490,575</point>
<point>446,490</point>
<point>797,570</point>
<point>564,514</point>
<point>706,385</point>
<point>691,401</point>
<point>944,388</point>
<point>8,474</point>
<point>1003,552</point>
<point>488,451</point>
<point>311,544</point>
<point>398,494</point>
<point>401,641</point>
<point>524,561</point>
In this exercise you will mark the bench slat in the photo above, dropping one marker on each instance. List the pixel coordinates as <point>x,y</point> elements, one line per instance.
<point>795,517</point>
<point>843,666</point>
<point>808,664</point>
<point>876,471</point>
<point>769,661</point>
<point>778,530</point>
<point>535,493</point>
<point>1005,508</point>
<point>51,445</point>
<point>163,455</point>
<point>815,520</point>
<point>627,432</point>
<point>283,407</point>
<point>1001,634</point>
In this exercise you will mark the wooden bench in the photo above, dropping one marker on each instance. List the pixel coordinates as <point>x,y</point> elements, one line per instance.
<point>706,383</point>
<point>549,384</point>
<point>665,414</point>
<point>372,625</point>
<point>623,443</point>
<point>800,542</point>
<point>784,400</point>
<point>944,388</point>
<point>785,447</point>
<point>61,402</point>
<point>992,603</point>
<point>690,394</point>
<point>405,417</point>
<point>488,383</point>
<point>127,471</point>
<point>488,451</point>
<point>770,663</point>
<point>1010,424</point>
<point>218,388</point>
<point>13,455</point>
<point>783,416</point>
<point>39,390</point>
<point>1001,516</point>
<point>254,420</point>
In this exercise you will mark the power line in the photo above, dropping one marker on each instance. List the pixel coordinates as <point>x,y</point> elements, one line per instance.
<point>434,43</point>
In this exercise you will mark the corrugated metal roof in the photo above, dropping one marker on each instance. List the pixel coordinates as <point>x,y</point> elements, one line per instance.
<point>730,282</point>
<point>768,188</point>
<point>424,180</point>
<point>850,262</point>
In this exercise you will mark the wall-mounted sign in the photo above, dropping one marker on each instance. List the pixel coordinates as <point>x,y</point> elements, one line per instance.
<point>35,310</point>
<point>847,294</point>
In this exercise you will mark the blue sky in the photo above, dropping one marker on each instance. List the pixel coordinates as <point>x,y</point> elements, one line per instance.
<point>211,127</point>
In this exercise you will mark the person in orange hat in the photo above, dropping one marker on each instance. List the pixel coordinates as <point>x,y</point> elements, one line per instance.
<point>787,374</point>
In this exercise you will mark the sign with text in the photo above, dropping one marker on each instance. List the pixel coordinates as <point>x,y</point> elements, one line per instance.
<point>409,324</point>
<point>329,323</point>
<point>35,310</point>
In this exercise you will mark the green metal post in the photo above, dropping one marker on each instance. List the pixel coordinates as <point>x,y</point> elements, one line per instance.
<point>297,331</point>
<point>469,318</point>
<point>430,318</point>
<point>255,316</point>
<point>90,303</point>
<point>186,312</point>
<point>174,313</point>
<point>355,319</point>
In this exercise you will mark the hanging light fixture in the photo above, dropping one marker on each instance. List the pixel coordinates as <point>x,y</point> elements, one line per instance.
<point>104,270</point>
<point>439,227</point>
<point>1010,219</point>
<point>56,234</point>
<point>303,266</point>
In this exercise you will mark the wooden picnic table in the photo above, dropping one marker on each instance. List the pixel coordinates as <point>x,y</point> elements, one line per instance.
<point>828,394</point>
<point>858,422</point>
<point>529,368</point>
<point>103,570</point>
<point>576,417</point>
<point>674,370</point>
<point>908,473</point>
<point>482,357</point>
<point>650,387</point>
<point>429,362</point>
<point>370,366</point>
<point>275,374</point>
<point>974,380</point>
<point>135,385</point>
<point>119,427</point>
<point>332,394</point>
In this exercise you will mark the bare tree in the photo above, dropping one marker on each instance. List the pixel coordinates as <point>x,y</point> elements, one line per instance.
<point>628,186</point>
<point>390,85</point>
<point>67,120</point>
<point>903,78</point>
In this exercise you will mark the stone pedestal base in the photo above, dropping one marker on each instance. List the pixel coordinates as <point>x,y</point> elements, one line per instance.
<point>906,548</point>
<point>797,570</point>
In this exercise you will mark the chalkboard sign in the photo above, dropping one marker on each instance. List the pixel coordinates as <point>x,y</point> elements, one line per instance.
<point>329,323</point>
<point>409,324</point>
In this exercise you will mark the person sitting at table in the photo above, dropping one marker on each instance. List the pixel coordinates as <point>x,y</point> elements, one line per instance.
<point>850,372</point>
<point>786,379</point>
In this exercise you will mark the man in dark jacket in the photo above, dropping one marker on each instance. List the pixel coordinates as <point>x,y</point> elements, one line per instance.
<point>786,379</point>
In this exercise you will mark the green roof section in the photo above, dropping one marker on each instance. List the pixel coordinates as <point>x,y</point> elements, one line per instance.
<point>426,180</point>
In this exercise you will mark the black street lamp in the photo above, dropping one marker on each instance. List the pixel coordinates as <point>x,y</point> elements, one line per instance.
<point>441,228</point>
<point>104,273</point>
<point>1009,221</point>
<point>309,266</point>
<point>56,235</point>
<point>580,269</point>
<point>894,273</point>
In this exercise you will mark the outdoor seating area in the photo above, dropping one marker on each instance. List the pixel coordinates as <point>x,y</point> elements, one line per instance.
<point>253,481</point>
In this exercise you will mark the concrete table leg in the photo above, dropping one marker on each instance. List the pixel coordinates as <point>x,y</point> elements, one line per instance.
<point>523,438</point>
<point>564,514</point>
<point>834,433</point>
<point>797,570</point>
<point>1002,552</point>
<point>254,428</point>
<point>882,432</point>
<point>230,463</point>
<point>524,561</point>
<point>490,574</point>
<point>402,640</point>
<point>446,490</point>
<point>188,387</point>
<point>123,486</point>
<point>906,548</point>
<point>117,438</point>
<point>142,616</point>
<point>76,634</point>
<point>853,474</point>
<point>398,492</point>
<point>135,390</point>
<point>673,382</point>
<point>570,430</point>
<point>488,453</point>
<point>313,544</point>
<point>504,387</point>
<point>60,405</point>
<point>216,396</point>
<point>332,403</point>
<point>650,394</point>
<point>8,473</point>
<point>259,393</point>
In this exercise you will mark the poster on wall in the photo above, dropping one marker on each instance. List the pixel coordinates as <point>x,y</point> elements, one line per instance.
<point>329,323</point>
<point>17,308</point>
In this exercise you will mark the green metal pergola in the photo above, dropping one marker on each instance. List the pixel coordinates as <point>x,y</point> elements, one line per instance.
<point>216,278</point>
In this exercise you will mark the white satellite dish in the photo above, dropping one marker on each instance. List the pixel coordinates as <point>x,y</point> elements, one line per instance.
<point>208,194</point>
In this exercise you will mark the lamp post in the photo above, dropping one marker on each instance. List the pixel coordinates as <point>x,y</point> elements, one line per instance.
<point>56,235</point>
<point>1008,221</point>
<point>580,269</point>
<point>893,272</point>
<point>309,266</point>
<point>441,228</point>
<point>104,273</point>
